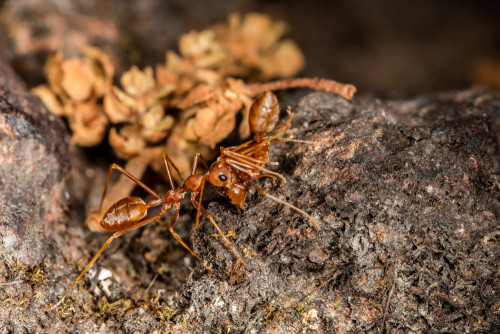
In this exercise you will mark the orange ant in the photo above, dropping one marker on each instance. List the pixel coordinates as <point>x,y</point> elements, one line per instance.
<point>130,213</point>
<point>237,165</point>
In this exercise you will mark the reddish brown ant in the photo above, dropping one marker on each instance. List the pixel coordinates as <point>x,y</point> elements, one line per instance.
<point>238,165</point>
<point>130,213</point>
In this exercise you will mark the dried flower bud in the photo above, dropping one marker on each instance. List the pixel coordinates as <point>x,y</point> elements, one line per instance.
<point>248,46</point>
<point>53,73</point>
<point>283,61</point>
<point>88,124</point>
<point>261,28</point>
<point>137,83</point>
<point>196,44</point>
<point>116,111</point>
<point>126,143</point>
<point>155,124</point>
<point>77,79</point>
<point>223,127</point>
<point>75,86</point>
<point>49,99</point>
<point>101,66</point>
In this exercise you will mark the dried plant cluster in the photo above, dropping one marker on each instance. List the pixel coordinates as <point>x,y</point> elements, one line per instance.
<point>187,105</point>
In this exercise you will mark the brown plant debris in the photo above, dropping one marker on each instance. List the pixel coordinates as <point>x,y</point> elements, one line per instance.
<point>250,46</point>
<point>75,90</point>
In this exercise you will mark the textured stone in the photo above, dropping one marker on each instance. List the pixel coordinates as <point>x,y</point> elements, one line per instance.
<point>33,164</point>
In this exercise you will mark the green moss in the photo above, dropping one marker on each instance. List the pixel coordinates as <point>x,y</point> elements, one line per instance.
<point>300,308</point>
<point>272,313</point>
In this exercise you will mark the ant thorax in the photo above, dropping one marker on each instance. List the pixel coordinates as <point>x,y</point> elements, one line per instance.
<point>175,196</point>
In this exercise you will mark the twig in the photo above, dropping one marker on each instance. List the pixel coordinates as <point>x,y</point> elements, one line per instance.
<point>344,90</point>
<point>386,307</point>
<point>11,283</point>
<point>151,284</point>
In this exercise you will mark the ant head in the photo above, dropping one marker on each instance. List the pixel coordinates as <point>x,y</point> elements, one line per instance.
<point>222,175</point>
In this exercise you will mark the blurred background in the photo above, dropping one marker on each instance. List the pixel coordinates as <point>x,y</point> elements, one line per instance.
<point>388,47</point>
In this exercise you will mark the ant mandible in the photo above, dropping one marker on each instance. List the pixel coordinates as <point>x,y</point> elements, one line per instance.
<point>130,213</point>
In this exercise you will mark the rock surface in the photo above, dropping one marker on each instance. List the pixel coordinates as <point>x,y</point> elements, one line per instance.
<point>33,164</point>
<point>408,201</point>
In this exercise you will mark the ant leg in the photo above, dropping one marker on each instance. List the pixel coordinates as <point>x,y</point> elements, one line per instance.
<point>130,176</point>
<point>267,175</point>
<point>300,141</point>
<point>198,157</point>
<point>243,157</point>
<point>166,160</point>
<point>171,229</point>
<point>240,165</point>
<point>212,220</point>
<point>106,244</point>
<point>198,207</point>
<point>285,203</point>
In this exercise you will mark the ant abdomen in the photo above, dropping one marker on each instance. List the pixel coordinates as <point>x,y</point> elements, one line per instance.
<point>124,213</point>
<point>264,113</point>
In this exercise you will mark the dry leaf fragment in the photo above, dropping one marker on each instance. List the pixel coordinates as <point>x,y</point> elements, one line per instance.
<point>77,79</point>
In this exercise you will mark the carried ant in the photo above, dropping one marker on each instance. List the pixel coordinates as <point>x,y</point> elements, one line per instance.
<point>236,166</point>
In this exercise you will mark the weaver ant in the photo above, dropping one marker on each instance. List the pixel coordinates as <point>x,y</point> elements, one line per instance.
<point>237,165</point>
<point>130,213</point>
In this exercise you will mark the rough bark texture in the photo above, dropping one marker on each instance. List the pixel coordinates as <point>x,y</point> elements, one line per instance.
<point>33,164</point>
<point>407,196</point>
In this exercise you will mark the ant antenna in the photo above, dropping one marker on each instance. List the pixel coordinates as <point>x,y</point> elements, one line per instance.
<point>314,221</point>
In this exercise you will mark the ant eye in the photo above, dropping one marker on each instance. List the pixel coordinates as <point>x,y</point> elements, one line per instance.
<point>222,177</point>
